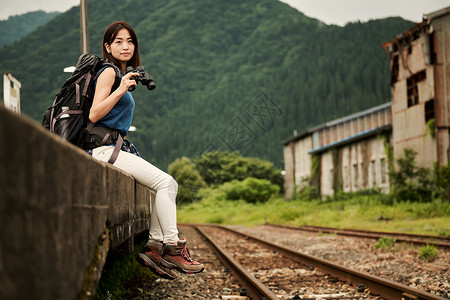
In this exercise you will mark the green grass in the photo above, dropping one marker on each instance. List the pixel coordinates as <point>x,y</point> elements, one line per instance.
<point>359,212</point>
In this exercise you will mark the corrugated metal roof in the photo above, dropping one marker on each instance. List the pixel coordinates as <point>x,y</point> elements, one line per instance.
<point>339,121</point>
<point>358,136</point>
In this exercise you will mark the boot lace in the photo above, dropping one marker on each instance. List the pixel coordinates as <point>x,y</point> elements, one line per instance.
<point>186,255</point>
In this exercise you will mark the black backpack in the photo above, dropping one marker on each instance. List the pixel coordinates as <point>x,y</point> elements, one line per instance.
<point>68,116</point>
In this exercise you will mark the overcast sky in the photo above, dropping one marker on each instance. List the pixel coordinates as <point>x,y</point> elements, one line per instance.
<point>337,12</point>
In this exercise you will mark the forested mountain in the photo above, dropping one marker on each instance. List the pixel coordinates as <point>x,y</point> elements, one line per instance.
<point>230,75</point>
<point>15,27</point>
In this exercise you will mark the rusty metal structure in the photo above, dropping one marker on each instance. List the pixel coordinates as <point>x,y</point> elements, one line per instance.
<point>349,154</point>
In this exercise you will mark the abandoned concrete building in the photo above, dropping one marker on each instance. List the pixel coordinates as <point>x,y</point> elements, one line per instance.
<point>349,153</point>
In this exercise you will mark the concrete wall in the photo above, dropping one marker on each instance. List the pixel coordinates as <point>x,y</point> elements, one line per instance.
<point>353,167</point>
<point>60,213</point>
<point>364,165</point>
<point>327,170</point>
<point>297,164</point>
<point>289,178</point>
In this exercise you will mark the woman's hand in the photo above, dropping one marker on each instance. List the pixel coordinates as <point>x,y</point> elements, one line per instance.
<point>126,82</point>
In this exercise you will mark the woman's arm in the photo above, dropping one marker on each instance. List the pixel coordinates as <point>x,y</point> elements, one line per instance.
<point>104,101</point>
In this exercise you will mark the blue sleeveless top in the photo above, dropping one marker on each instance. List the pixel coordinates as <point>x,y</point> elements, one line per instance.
<point>121,115</point>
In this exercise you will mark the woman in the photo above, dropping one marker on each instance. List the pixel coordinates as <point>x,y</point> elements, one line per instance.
<point>114,109</point>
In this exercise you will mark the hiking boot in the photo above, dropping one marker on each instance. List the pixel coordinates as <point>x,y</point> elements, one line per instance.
<point>178,256</point>
<point>150,257</point>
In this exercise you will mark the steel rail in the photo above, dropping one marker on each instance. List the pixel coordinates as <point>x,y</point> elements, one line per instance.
<point>377,285</point>
<point>412,235</point>
<point>442,242</point>
<point>257,289</point>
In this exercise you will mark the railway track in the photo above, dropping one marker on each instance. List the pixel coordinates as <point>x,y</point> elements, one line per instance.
<point>416,239</point>
<point>269,271</point>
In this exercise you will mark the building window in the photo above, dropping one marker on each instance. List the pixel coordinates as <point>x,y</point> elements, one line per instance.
<point>383,170</point>
<point>395,67</point>
<point>355,175</point>
<point>433,58</point>
<point>429,110</point>
<point>412,90</point>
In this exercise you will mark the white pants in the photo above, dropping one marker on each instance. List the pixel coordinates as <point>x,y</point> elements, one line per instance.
<point>163,213</point>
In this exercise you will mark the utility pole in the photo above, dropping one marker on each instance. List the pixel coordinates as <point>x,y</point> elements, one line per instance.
<point>84,27</point>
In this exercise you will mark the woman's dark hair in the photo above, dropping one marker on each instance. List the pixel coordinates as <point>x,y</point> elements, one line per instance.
<point>110,35</point>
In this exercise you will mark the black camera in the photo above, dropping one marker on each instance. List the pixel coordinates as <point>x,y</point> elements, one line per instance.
<point>144,77</point>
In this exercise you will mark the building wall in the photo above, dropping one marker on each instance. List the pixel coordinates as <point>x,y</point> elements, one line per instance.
<point>422,54</point>
<point>327,169</point>
<point>356,166</point>
<point>288,156</point>
<point>350,167</point>
<point>302,161</point>
<point>346,147</point>
<point>364,165</point>
<point>409,120</point>
<point>297,164</point>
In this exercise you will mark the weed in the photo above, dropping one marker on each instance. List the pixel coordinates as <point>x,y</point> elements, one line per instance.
<point>385,243</point>
<point>428,252</point>
<point>143,293</point>
<point>122,276</point>
<point>443,232</point>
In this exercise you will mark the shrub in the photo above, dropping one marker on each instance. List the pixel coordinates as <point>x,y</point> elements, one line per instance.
<point>443,232</point>
<point>431,128</point>
<point>443,180</point>
<point>385,243</point>
<point>413,183</point>
<point>306,191</point>
<point>250,190</point>
<point>428,252</point>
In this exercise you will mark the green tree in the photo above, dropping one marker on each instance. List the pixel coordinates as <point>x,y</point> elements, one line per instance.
<point>218,167</point>
<point>188,178</point>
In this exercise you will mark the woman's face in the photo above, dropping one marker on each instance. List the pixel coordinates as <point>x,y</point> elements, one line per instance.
<point>122,48</point>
